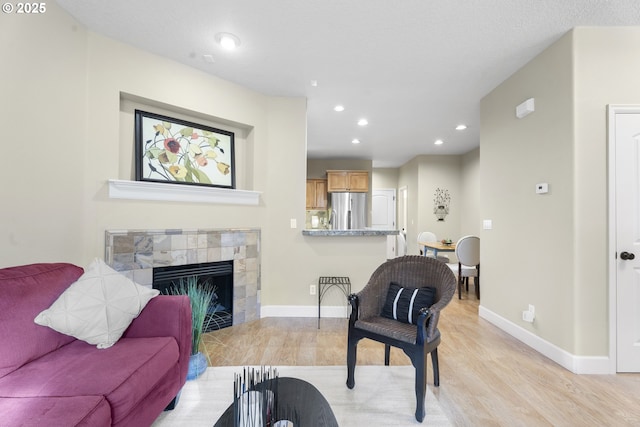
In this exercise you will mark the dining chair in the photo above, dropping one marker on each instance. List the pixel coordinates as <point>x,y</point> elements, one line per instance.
<point>427,236</point>
<point>468,254</point>
<point>400,306</point>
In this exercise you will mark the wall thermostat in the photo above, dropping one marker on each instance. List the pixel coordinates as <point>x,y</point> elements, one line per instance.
<point>542,188</point>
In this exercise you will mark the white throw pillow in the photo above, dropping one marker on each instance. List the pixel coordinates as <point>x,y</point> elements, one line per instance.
<point>98,307</point>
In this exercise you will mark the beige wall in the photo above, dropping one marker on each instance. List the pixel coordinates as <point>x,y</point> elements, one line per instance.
<point>527,258</point>
<point>64,113</point>
<point>557,252</point>
<point>422,176</point>
<point>43,118</point>
<point>470,218</point>
<point>385,178</point>
<point>606,72</point>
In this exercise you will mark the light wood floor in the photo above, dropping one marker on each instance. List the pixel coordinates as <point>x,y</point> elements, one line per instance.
<point>487,378</point>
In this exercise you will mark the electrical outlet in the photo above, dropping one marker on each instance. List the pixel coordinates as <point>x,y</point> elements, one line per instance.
<point>527,316</point>
<point>312,289</point>
<point>530,314</point>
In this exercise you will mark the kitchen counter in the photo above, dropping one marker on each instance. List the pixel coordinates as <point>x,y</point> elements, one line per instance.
<point>359,232</point>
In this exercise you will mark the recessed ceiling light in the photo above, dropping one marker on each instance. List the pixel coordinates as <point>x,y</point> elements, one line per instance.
<point>363,122</point>
<point>355,141</point>
<point>461,127</point>
<point>228,41</point>
<point>439,142</point>
<point>314,83</point>
<point>338,108</point>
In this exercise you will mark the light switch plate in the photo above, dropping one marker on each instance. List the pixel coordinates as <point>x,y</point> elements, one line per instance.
<point>294,223</point>
<point>487,224</point>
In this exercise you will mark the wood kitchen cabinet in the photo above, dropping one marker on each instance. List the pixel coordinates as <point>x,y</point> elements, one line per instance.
<point>355,181</point>
<point>316,194</point>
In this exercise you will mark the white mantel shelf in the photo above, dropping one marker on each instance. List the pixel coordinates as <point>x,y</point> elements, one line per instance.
<point>144,190</point>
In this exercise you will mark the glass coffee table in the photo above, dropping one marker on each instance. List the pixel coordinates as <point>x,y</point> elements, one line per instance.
<point>304,404</point>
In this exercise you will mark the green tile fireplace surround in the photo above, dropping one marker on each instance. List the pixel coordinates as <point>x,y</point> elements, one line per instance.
<point>136,252</point>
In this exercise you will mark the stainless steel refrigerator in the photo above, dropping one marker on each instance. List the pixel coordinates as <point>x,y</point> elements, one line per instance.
<point>348,211</point>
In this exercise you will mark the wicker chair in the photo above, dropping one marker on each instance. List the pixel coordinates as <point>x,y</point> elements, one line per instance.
<point>415,340</point>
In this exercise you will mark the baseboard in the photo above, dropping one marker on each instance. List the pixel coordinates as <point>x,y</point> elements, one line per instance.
<point>304,311</point>
<point>573,363</point>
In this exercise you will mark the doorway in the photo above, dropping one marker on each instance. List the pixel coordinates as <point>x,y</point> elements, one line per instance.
<point>624,237</point>
<point>402,215</point>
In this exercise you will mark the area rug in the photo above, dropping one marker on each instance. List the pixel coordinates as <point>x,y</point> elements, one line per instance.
<point>383,396</point>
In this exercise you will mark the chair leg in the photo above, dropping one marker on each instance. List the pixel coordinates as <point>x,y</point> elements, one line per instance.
<point>352,347</point>
<point>460,281</point>
<point>436,367</point>
<point>421,388</point>
<point>387,354</point>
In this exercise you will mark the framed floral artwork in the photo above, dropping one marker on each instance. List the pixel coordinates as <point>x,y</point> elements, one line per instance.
<point>181,152</point>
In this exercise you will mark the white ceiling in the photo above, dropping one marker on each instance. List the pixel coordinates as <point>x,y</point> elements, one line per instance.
<point>414,68</point>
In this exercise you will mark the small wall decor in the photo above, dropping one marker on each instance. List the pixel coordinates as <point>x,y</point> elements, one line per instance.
<point>441,202</point>
<point>181,152</point>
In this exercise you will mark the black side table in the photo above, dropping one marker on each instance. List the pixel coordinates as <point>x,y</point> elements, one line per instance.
<point>327,282</point>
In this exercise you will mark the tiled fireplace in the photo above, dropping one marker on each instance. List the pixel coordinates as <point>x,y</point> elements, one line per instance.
<point>136,252</point>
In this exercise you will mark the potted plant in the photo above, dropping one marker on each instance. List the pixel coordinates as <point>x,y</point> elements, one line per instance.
<point>201,296</point>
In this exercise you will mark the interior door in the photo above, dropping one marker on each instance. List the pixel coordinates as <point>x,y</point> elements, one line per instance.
<point>383,209</point>
<point>625,124</point>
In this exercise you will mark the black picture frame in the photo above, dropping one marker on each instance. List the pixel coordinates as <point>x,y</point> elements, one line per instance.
<point>176,151</point>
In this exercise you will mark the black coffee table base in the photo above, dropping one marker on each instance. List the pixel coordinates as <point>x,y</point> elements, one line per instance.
<point>295,397</point>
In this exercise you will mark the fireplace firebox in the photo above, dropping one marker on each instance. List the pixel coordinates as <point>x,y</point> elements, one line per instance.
<point>216,275</point>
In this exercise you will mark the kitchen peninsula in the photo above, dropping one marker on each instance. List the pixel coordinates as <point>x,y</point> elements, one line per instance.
<point>355,232</point>
<point>385,240</point>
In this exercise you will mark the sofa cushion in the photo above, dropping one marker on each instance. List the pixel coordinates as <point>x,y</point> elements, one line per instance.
<point>124,373</point>
<point>27,290</point>
<point>98,307</point>
<point>75,411</point>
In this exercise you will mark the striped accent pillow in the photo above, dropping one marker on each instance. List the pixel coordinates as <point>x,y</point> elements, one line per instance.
<point>403,304</point>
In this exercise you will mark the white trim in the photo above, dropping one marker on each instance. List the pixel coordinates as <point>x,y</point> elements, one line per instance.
<point>327,311</point>
<point>575,364</point>
<point>144,190</point>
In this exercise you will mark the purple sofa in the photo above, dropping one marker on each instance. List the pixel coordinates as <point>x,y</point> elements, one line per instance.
<point>51,379</point>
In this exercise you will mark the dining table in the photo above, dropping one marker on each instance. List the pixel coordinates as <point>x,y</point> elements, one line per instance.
<point>438,247</point>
